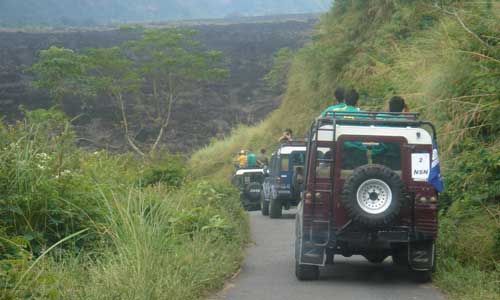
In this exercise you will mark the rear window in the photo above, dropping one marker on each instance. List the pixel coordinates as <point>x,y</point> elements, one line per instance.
<point>297,158</point>
<point>284,163</point>
<point>323,165</point>
<point>356,154</point>
<point>255,178</point>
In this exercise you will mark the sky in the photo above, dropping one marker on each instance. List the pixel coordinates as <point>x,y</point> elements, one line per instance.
<point>86,12</point>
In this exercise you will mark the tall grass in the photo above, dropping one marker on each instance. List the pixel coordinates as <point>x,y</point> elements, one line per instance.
<point>167,245</point>
<point>161,245</point>
<point>80,225</point>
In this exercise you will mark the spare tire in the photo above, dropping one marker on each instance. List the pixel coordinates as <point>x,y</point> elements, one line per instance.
<point>373,195</point>
<point>252,191</point>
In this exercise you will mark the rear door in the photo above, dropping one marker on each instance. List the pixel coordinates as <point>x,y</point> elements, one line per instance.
<point>356,151</point>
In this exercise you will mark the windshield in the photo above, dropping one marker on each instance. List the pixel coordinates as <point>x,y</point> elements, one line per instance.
<point>297,158</point>
<point>356,154</point>
<point>285,162</point>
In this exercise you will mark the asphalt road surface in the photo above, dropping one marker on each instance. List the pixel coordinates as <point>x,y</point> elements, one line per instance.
<point>268,272</point>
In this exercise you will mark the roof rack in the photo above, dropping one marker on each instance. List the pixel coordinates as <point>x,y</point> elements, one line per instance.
<point>374,118</point>
<point>371,118</point>
<point>297,142</point>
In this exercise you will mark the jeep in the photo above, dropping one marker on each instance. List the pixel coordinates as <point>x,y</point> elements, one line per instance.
<point>249,182</point>
<point>366,193</point>
<point>281,189</point>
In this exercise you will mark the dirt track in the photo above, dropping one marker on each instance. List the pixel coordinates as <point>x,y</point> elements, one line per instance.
<point>268,272</point>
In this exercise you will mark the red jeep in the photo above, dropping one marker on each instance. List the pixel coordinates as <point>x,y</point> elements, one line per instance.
<point>367,193</point>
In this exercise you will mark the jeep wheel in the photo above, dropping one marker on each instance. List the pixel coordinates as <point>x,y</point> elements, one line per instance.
<point>275,208</point>
<point>264,205</point>
<point>373,195</point>
<point>422,276</point>
<point>306,272</point>
<point>253,191</point>
<point>400,257</point>
<point>375,258</point>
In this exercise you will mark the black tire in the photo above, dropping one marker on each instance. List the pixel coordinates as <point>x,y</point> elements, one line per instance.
<point>275,208</point>
<point>400,258</point>
<point>249,191</point>
<point>422,276</point>
<point>362,175</point>
<point>375,258</point>
<point>303,272</point>
<point>306,272</point>
<point>264,205</point>
<point>297,183</point>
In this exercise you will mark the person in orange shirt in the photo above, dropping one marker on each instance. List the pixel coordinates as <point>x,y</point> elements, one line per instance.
<point>242,159</point>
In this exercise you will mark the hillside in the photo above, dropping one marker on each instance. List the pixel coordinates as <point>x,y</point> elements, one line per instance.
<point>92,12</point>
<point>243,98</point>
<point>444,58</point>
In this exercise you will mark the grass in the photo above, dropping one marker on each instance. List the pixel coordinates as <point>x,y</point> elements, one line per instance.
<point>467,282</point>
<point>77,225</point>
<point>161,244</point>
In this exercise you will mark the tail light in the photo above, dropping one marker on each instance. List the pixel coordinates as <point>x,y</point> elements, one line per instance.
<point>423,200</point>
<point>308,198</point>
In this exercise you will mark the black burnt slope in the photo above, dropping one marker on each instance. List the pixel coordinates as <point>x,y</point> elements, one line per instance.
<point>211,110</point>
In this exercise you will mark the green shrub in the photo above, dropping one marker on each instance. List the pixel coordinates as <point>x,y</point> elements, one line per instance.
<point>168,169</point>
<point>162,243</point>
<point>45,197</point>
<point>148,232</point>
<point>473,176</point>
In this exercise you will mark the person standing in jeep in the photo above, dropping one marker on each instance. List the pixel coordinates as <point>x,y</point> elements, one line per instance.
<point>241,160</point>
<point>287,136</point>
<point>351,101</point>
<point>340,105</point>
<point>251,159</point>
<point>262,159</point>
<point>397,105</point>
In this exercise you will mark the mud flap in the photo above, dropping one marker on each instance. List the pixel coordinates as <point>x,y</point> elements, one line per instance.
<point>312,255</point>
<point>421,255</point>
<point>311,241</point>
<point>313,247</point>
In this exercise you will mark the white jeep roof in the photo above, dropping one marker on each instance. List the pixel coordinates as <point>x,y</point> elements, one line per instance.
<point>414,135</point>
<point>290,149</point>
<point>247,171</point>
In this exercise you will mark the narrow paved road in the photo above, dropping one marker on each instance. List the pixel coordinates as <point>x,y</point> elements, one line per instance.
<point>268,272</point>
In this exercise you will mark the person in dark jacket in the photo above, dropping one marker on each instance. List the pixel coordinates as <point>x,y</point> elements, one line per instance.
<point>287,136</point>
<point>262,159</point>
<point>397,105</point>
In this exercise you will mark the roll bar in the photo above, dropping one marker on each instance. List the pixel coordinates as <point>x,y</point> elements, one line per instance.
<point>375,118</point>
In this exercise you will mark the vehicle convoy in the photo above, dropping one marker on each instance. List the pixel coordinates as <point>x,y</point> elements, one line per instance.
<point>367,193</point>
<point>249,182</point>
<point>281,189</point>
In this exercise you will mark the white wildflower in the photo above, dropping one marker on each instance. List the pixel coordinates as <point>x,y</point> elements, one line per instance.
<point>65,173</point>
